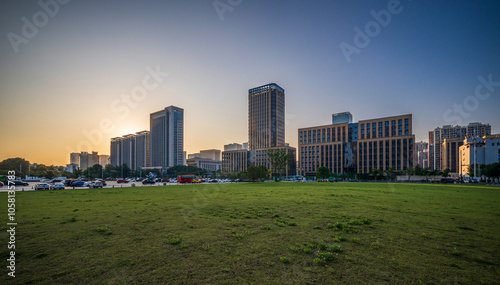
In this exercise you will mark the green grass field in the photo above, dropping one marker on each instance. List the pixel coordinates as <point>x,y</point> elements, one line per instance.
<point>267,233</point>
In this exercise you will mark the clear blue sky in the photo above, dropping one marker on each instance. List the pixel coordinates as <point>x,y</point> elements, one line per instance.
<point>66,78</point>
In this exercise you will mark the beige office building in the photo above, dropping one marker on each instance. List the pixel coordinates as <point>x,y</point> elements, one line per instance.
<point>348,147</point>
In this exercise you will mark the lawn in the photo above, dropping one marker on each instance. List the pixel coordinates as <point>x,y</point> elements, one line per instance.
<point>265,233</point>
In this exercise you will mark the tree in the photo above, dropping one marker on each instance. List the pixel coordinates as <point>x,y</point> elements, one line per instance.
<point>50,173</point>
<point>322,172</point>
<point>17,164</point>
<point>410,171</point>
<point>389,172</point>
<point>446,172</point>
<point>184,170</point>
<point>279,159</point>
<point>256,173</point>
<point>375,172</point>
<point>96,171</point>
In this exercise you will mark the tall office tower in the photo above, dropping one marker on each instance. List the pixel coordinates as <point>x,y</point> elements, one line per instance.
<point>74,158</point>
<point>430,154</point>
<point>453,132</point>
<point>115,158</point>
<point>141,151</point>
<point>103,160</point>
<point>266,116</point>
<point>93,159</point>
<point>127,151</point>
<point>421,149</point>
<point>84,163</point>
<point>166,138</point>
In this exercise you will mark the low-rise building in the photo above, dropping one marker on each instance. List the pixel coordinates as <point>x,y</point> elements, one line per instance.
<point>482,150</point>
<point>205,163</point>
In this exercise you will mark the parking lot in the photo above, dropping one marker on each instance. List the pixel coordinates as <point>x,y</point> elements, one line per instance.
<point>109,184</point>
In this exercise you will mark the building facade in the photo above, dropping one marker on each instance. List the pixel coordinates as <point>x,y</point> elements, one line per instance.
<point>382,143</point>
<point>103,160</point>
<point>487,151</point>
<point>386,143</point>
<point>74,158</point>
<point>266,116</point>
<point>422,149</point>
<point>132,150</point>
<point>141,150</point>
<point>167,137</point>
<point>115,151</point>
<point>339,118</point>
<point>237,160</point>
<point>450,156</point>
<point>262,158</point>
<point>205,163</point>
<point>436,139</point>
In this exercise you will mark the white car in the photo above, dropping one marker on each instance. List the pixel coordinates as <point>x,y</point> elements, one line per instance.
<point>57,185</point>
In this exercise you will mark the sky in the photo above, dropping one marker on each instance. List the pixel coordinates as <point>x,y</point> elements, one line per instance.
<point>74,74</point>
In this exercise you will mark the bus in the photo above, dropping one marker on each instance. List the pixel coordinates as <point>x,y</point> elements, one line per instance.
<point>185,178</point>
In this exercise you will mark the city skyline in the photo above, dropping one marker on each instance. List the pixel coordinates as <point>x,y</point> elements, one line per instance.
<point>79,77</point>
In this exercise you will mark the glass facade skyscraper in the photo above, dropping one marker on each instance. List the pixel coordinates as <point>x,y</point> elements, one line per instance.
<point>167,137</point>
<point>266,116</point>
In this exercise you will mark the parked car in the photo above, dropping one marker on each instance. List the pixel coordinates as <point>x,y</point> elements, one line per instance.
<point>131,180</point>
<point>57,185</point>
<point>18,183</point>
<point>238,180</point>
<point>77,183</point>
<point>165,180</point>
<point>213,181</point>
<point>122,181</point>
<point>148,181</point>
<point>96,184</point>
<point>158,180</point>
<point>1,183</point>
<point>42,186</point>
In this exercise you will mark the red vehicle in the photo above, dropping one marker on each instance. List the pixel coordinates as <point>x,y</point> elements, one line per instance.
<point>185,178</point>
<point>121,181</point>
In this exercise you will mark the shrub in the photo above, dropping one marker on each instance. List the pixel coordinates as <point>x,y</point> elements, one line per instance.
<point>284,259</point>
<point>319,261</point>
<point>334,248</point>
<point>175,240</point>
<point>327,256</point>
<point>339,239</point>
<point>355,222</point>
